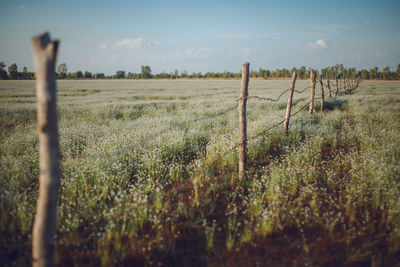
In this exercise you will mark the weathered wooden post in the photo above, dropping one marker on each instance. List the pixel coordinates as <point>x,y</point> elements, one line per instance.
<point>242,120</point>
<point>337,87</point>
<point>322,93</point>
<point>358,81</point>
<point>44,226</point>
<point>329,85</point>
<point>344,85</point>
<point>289,105</point>
<point>312,82</point>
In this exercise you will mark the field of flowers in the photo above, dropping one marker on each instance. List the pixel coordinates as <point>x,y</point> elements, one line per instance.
<point>146,179</point>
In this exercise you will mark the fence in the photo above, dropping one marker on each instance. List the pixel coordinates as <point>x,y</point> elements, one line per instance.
<point>49,181</point>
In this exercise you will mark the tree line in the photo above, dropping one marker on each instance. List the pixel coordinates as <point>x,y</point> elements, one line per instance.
<point>337,70</point>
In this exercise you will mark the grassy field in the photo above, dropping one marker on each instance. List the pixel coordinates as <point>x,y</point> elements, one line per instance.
<point>146,182</point>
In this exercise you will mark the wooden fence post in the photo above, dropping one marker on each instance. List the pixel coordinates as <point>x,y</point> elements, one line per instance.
<point>358,81</point>
<point>337,87</point>
<point>242,120</point>
<point>289,104</point>
<point>344,85</point>
<point>44,226</point>
<point>329,85</point>
<point>312,81</point>
<point>322,93</point>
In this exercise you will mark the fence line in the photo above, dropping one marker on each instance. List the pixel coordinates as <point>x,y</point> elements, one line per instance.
<point>207,117</point>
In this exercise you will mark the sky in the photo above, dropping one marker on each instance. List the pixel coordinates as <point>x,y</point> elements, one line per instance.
<point>200,36</point>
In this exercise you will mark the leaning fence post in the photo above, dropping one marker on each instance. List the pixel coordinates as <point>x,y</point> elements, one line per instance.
<point>242,120</point>
<point>289,104</point>
<point>329,86</point>
<point>322,93</point>
<point>44,226</point>
<point>358,81</point>
<point>312,81</point>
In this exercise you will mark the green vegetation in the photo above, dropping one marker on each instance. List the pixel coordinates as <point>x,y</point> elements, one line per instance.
<point>337,70</point>
<point>144,183</point>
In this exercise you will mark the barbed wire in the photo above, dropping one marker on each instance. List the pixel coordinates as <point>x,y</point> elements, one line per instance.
<point>220,157</point>
<point>265,98</point>
<point>148,139</point>
<point>302,91</point>
<point>272,99</point>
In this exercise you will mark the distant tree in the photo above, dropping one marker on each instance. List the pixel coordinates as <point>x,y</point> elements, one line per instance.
<point>386,73</point>
<point>285,73</point>
<point>373,73</point>
<point>24,75</point>
<point>87,75</point>
<point>3,72</point>
<point>398,71</point>
<point>13,71</point>
<point>120,74</point>
<point>129,75</point>
<point>352,72</point>
<point>99,76</point>
<point>146,72</point>
<point>77,75</point>
<point>62,71</point>
<point>302,72</point>
<point>184,74</point>
<point>176,74</point>
<point>364,74</point>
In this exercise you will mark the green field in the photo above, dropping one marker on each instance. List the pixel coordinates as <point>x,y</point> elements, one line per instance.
<point>148,177</point>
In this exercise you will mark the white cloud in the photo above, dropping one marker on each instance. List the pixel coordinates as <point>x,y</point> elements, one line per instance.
<point>133,43</point>
<point>130,43</point>
<point>321,43</point>
<point>102,46</point>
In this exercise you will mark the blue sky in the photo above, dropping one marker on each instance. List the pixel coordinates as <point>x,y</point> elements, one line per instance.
<point>210,35</point>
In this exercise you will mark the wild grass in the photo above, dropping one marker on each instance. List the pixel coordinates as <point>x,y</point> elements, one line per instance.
<point>145,183</point>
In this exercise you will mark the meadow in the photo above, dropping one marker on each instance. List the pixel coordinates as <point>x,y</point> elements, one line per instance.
<point>148,177</point>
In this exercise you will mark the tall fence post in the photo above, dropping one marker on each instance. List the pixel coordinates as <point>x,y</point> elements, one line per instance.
<point>337,87</point>
<point>321,84</point>
<point>242,120</point>
<point>44,226</point>
<point>329,85</point>
<point>289,104</point>
<point>358,81</point>
<point>312,82</point>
